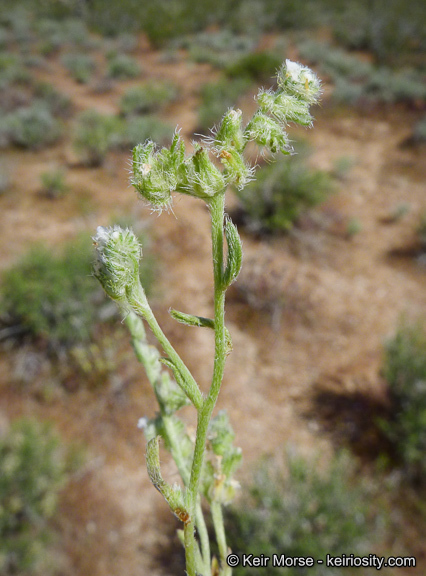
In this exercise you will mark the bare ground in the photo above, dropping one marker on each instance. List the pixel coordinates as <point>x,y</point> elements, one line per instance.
<point>308,315</point>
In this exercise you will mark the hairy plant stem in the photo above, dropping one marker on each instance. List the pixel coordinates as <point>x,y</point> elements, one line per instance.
<point>219,528</point>
<point>138,335</point>
<point>139,303</point>
<point>217,208</point>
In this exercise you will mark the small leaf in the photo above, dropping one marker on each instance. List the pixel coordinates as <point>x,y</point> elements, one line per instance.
<point>235,253</point>
<point>190,320</point>
<point>172,494</point>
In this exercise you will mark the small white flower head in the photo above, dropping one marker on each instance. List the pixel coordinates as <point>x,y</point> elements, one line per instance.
<point>142,423</point>
<point>300,81</point>
<point>118,253</point>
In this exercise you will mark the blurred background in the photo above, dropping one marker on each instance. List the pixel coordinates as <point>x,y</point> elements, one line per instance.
<point>326,386</point>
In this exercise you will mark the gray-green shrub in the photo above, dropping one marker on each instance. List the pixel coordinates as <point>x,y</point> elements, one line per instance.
<point>33,127</point>
<point>95,134</point>
<point>51,296</point>
<point>216,97</point>
<point>53,183</point>
<point>33,469</point>
<point>140,128</point>
<point>80,66</point>
<point>147,97</point>
<point>280,193</point>
<point>306,512</point>
<point>258,66</point>
<point>122,66</point>
<point>405,371</point>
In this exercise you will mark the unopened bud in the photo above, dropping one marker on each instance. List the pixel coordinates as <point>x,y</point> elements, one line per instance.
<point>266,131</point>
<point>118,253</point>
<point>204,179</point>
<point>284,107</point>
<point>230,134</point>
<point>237,170</point>
<point>154,174</point>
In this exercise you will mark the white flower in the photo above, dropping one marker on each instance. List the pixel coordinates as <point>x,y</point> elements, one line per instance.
<point>142,423</point>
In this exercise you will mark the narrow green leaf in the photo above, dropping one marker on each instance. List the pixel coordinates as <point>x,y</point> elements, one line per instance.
<point>235,253</point>
<point>172,494</point>
<point>190,320</point>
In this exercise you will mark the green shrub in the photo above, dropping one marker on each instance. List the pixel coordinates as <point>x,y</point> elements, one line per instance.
<point>257,66</point>
<point>94,135</point>
<point>81,66</point>
<point>216,97</point>
<point>359,81</point>
<point>12,70</point>
<point>217,48</point>
<point>419,132</point>
<point>421,229</point>
<point>122,66</point>
<point>384,27</point>
<point>32,471</point>
<point>280,193</point>
<point>140,128</point>
<point>33,127</point>
<point>53,183</point>
<point>307,512</point>
<point>405,371</point>
<point>55,34</point>
<point>147,97</point>
<point>59,104</point>
<point>51,296</point>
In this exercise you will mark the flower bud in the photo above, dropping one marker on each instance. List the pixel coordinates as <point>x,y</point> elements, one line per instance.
<point>284,107</point>
<point>204,180</point>
<point>230,134</point>
<point>266,131</point>
<point>299,81</point>
<point>155,172</point>
<point>237,170</point>
<point>118,253</point>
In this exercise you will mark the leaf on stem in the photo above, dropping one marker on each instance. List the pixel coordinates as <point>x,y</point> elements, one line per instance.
<point>190,320</point>
<point>235,253</point>
<point>172,494</point>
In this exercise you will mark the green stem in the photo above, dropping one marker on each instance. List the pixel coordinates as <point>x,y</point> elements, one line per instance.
<point>138,335</point>
<point>217,515</point>
<point>190,548</point>
<point>217,208</point>
<point>199,516</point>
<point>139,303</point>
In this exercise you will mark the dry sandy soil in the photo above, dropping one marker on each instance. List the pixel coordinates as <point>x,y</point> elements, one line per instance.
<point>308,317</point>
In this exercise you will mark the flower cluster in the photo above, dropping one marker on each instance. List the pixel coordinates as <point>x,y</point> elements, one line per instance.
<point>159,173</point>
<point>298,89</point>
